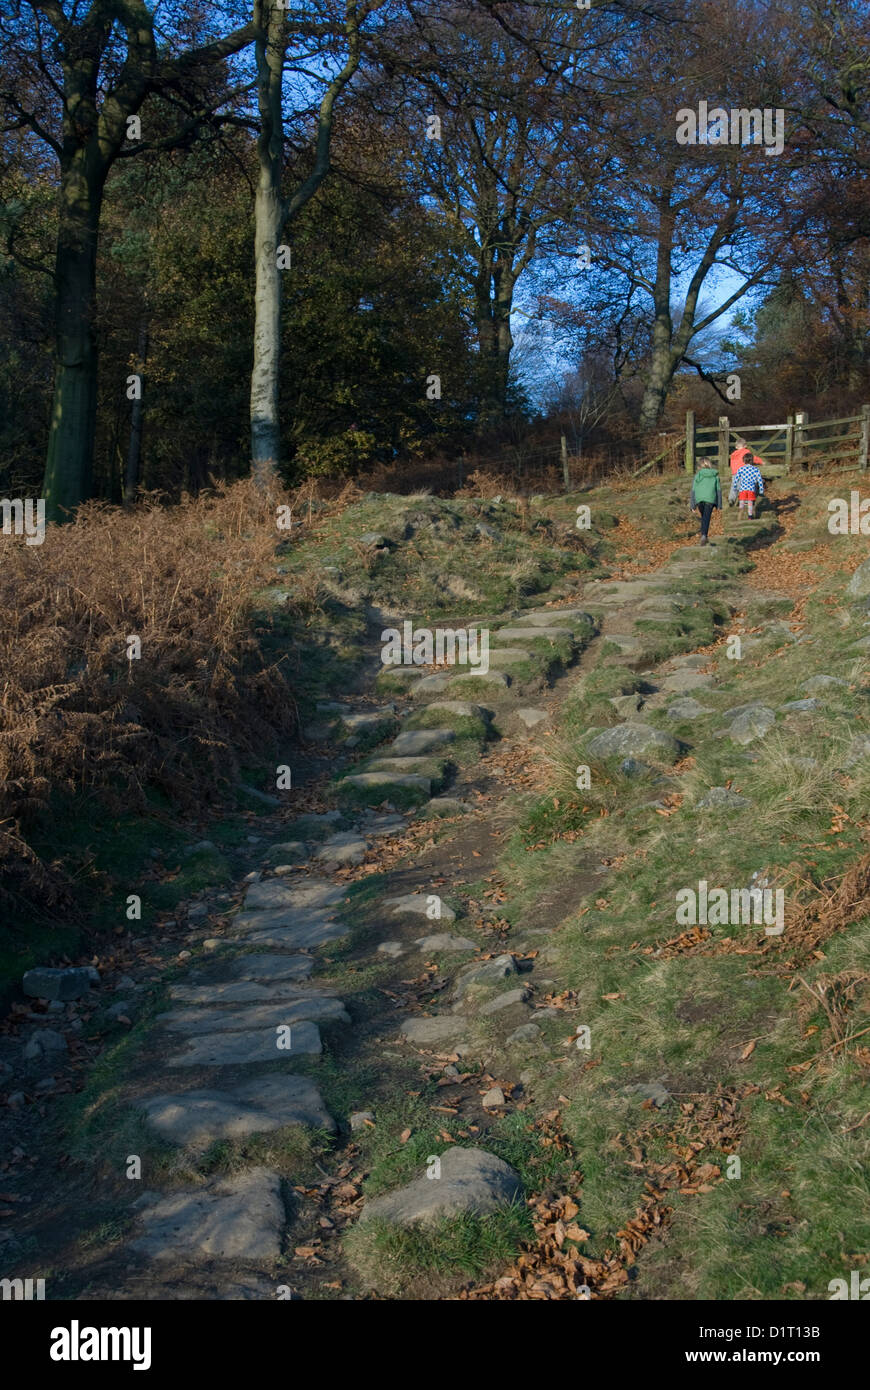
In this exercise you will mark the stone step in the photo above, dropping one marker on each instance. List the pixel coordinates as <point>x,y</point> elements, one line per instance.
<point>256,1107</point>
<point>236,1218</point>
<point>315,1008</point>
<point>244,1049</point>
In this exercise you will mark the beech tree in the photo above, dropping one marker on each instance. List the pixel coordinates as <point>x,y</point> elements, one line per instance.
<point>74,77</point>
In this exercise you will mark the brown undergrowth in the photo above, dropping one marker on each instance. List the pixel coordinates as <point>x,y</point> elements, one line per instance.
<point>77,714</point>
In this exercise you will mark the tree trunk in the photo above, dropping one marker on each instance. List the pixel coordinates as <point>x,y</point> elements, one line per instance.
<point>69,461</point>
<point>269,218</point>
<point>134,452</point>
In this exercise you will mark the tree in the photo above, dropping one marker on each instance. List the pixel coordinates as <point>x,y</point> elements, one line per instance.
<point>75,79</point>
<point>275,211</point>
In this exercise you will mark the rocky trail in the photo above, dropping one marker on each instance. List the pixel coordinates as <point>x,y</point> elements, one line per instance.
<point>362,974</point>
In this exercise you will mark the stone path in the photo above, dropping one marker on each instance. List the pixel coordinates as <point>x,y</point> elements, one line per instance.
<point>241,1024</point>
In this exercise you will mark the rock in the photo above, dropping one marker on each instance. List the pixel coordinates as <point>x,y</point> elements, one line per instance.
<point>493,1098</point>
<point>291,930</point>
<point>47,1084</point>
<point>626,705</point>
<point>15,1100</point>
<point>197,912</point>
<point>533,634</point>
<point>242,1049</point>
<point>487,972</point>
<point>123,1009</point>
<point>489,532</point>
<point>679,681</point>
<point>687,709</point>
<point>721,799</point>
<point>633,740</point>
<point>361,1119</point>
<point>380,784</point>
<point>858,751</point>
<point>417,905</point>
<point>472,1181</point>
<point>239,991</point>
<point>345,848</point>
<point>238,1218</point>
<point>259,967</point>
<point>548,617</point>
<point>453,709</point>
<point>631,767</point>
<point>656,1093</point>
<point>800,706</point>
<point>287,852</point>
<point>444,941</point>
<point>496,679</point>
<point>267,1016</point>
<point>392,948</point>
<point>510,656</point>
<point>532,717</point>
<point>505,1001</point>
<point>54,982</point>
<point>376,539</point>
<point>256,1107</point>
<point>272,894</point>
<point>201,847</point>
<point>817,683</point>
<point>859,584</point>
<point>42,1042</point>
<point>749,722</point>
<point>527,1032</point>
<point>430,685</point>
<point>429,1030</point>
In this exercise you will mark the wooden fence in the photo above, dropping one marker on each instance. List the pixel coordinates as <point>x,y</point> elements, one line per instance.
<point>784,447</point>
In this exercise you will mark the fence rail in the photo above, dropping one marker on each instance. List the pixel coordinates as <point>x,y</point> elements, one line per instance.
<point>783,446</point>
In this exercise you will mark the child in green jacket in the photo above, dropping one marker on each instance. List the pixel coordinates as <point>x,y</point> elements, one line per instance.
<point>706,494</point>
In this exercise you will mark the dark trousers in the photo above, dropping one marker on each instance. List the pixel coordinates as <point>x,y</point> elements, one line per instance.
<point>706,509</point>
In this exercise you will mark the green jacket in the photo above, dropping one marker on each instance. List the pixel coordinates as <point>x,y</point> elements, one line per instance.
<point>705,487</point>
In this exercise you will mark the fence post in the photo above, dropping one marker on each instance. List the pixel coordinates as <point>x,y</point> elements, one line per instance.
<point>690,441</point>
<point>789,443</point>
<point>864,449</point>
<point>724,440</point>
<point>565,477</point>
<point>801,418</point>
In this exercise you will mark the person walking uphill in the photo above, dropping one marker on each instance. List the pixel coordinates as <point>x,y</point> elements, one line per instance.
<point>706,494</point>
<point>748,484</point>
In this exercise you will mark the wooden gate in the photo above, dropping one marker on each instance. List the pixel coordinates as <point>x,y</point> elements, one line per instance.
<point>784,447</point>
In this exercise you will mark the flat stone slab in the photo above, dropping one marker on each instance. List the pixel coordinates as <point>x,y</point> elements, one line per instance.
<point>416,905</point>
<point>487,972</point>
<point>235,1218</point>
<point>471,1181</point>
<point>685,679</point>
<point>261,966</point>
<point>430,1030</point>
<point>274,893</point>
<point>255,1107</point>
<point>495,679</point>
<point>722,799</point>
<point>505,1001</point>
<point>241,1049</point>
<point>633,740</point>
<point>510,656</point>
<point>344,848</point>
<point>548,617</point>
<point>532,717</point>
<point>534,634</point>
<point>320,1007</point>
<point>300,936</point>
<point>749,723</point>
<point>382,781</point>
<point>445,941</point>
<point>687,708</point>
<point>460,709</point>
<point>431,685</point>
<point>235,992</point>
<point>413,743</point>
<point>818,683</point>
<point>400,767</point>
<point>59,982</point>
